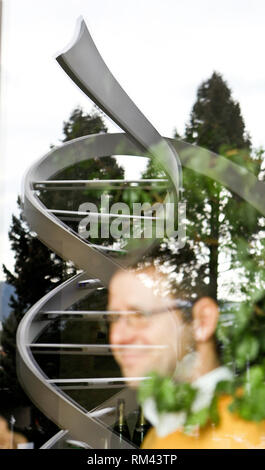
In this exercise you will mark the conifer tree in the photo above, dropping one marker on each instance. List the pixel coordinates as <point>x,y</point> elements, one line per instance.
<point>217,219</point>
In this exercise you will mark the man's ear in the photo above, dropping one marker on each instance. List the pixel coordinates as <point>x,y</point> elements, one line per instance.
<point>205,317</point>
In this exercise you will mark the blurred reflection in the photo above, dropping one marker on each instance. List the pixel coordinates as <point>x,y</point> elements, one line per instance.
<point>159,336</point>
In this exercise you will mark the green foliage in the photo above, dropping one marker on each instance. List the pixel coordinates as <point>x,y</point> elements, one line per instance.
<point>248,393</point>
<point>246,350</point>
<point>198,419</point>
<point>249,403</point>
<point>80,124</point>
<point>209,414</point>
<point>216,118</point>
<point>242,338</point>
<point>168,395</point>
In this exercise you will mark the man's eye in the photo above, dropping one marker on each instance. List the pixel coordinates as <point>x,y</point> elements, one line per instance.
<point>141,316</point>
<point>144,314</point>
<point>138,315</point>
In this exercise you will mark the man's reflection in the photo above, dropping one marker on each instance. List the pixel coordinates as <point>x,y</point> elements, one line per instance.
<point>171,341</point>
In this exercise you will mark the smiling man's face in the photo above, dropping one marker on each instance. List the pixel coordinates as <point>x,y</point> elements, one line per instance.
<point>144,344</point>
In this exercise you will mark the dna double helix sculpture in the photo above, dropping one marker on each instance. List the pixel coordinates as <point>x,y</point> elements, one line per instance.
<point>88,421</point>
<point>96,263</point>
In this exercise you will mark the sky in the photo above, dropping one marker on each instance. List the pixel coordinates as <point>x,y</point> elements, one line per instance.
<point>159,51</point>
